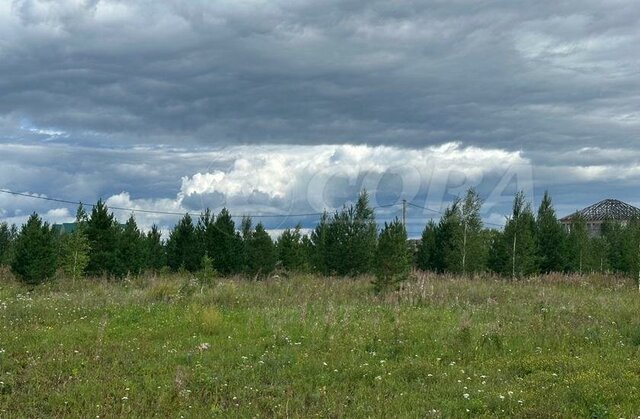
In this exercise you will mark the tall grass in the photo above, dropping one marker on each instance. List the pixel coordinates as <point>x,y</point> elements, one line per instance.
<point>313,346</point>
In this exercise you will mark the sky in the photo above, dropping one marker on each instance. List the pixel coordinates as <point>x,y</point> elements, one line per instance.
<point>291,107</point>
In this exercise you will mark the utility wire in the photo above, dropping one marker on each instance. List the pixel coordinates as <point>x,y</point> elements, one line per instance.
<point>64,201</point>
<point>156,212</point>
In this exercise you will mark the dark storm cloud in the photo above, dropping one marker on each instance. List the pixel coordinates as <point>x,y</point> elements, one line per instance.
<point>140,101</point>
<point>517,75</point>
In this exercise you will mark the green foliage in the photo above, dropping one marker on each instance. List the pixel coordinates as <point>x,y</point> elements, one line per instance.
<point>207,274</point>
<point>102,231</point>
<point>291,250</point>
<point>34,261</point>
<point>346,242</point>
<point>516,255</point>
<point>425,256</point>
<point>155,252</point>
<point>226,246</point>
<point>183,246</point>
<point>319,246</point>
<point>8,235</point>
<point>76,248</point>
<point>578,249</point>
<point>550,238</point>
<point>262,253</point>
<point>474,249</point>
<point>314,347</point>
<point>130,257</point>
<point>393,261</point>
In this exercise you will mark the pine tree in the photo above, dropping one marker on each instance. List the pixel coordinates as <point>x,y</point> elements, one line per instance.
<point>130,253</point>
<point>393,261</point>
<point>363,237</point>
<point>207,273</point>
<point>262,253</point>
<point>182,246</point>
<point>614,235</point>
<point>518,250</point>
<point>102,233</point>
<point>474,252</point>
<point>448,252</point>
<point>425,256</point>
<point>76,248</point>
<point>155,252</point>
<point>290,249</point>
<point>204,233</point>
<point>348,239</point>
<point>227,246</point>
<point>319,246</point>
<point>246,233</point>
<point>632,248</point>
<point>578,245</point>
<point>35,252</point>
<point>8,235</point>
<point>598,260</point>
<point>550,238</point>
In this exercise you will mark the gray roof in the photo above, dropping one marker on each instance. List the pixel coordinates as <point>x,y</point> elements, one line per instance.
<point>609,209</point>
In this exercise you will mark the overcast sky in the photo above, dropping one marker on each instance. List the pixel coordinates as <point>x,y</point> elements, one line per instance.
<point>289,107</point>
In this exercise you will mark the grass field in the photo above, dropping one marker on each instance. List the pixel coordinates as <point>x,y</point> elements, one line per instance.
<point>308,346</point>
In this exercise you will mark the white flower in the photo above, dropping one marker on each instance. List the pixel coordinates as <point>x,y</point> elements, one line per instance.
<point>465,395</point>
<point>203,346</point>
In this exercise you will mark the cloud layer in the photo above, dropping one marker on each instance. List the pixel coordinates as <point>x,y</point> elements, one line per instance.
<point>180,104</point>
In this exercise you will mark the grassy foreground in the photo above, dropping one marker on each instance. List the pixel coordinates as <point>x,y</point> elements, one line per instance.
<point>309,346</point>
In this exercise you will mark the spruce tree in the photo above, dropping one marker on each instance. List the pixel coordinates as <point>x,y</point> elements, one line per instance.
<point>363,237</point>
<point>425,256</point>
<point>319,246</point>
<point>182,246</point>
<point>204,233</point>
<point>290,249</point>
<point>130,254</point>
<point>246,233</point>
<point>227,245</point>
<point>35,252</point>
<point>578,245</point>
<point>550,238</point>
<point>8,235</point>
<point>76,248</point>
<point>614,235</point>
<point>632,248</point>
<point>102,233</point>
<point>393,260</point>
<point>449,241</point>
<point>262,253</point>
<point>155,252</point>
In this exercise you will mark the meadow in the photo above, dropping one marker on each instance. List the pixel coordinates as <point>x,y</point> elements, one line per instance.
<point>302,346</point>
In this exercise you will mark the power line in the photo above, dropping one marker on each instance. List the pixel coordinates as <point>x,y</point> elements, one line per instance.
<point>157,212</point>
<point>146,211</point>
<point>440,212</point>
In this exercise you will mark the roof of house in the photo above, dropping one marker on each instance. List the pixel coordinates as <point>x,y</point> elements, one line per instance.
<point>609,209</point>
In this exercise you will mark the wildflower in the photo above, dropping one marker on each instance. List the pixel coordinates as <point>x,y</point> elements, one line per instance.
<point>125,398</point>
<point>465,395</point>
<point>379,378</point>
<point>203,346</point>
<point>501,397</point>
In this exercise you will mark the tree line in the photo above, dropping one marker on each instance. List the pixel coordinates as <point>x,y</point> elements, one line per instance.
<point>346,243</point>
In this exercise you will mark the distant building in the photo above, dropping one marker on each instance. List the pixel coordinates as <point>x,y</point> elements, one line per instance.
<point>597,214</point>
